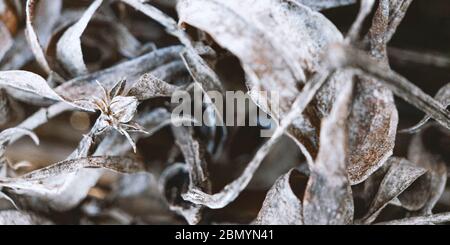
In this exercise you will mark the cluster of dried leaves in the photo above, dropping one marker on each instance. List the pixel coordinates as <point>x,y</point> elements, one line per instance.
<point>120,61</point>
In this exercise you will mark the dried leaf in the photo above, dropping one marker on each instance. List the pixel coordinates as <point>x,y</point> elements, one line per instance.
<point>400,176</point>
<point>18,55</point>
<point>127,44</point>
<point>156,62</point>
<point>10,111</point>
<point>68,50</point>
<point>47,18</point>
<point>149,86</point>
<point>428,189</point>
<point>325,4</point>
<point>277,42</point>
<point>400,86</point>
<point>374,118</point>
<point>201,72</point>
<point>48,184</point>
<point>6,40</point>
<point>112,145</point>
<point>192,153</point>
<point>208,81</point>
<point>32,83</point>
<point>10,217</point>
<point>8,17</point>
<point>195,162</point>
<point>282,206</point>
<point>191,212</point>
<point>232,190</point>
<point>328,196</point>
<point>293,62</point>
<point>7,134</point>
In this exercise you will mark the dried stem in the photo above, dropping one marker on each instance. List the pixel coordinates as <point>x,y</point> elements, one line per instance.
<point>232,190</point>
<point>402,87</point>
<point>422,220</point>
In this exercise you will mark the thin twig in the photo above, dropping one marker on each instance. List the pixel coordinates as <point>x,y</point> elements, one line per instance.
<point>422,220</point>
<point>345,56</point>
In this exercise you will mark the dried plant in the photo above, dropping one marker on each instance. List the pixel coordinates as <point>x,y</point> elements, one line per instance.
<point>100,78</point>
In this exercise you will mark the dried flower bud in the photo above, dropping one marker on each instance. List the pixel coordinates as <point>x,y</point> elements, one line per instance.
<point>123,108</point>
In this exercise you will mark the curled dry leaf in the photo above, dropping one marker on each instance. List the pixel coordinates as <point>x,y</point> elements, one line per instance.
<point>68,49</point>
<point>193,155</point>
<point>374,118</point>
<point>112,145</point>
<point>8,134</point>
<point>327,196</point>
<point>366,133</point>
<point>277,42</point>
<point>232,190</point>
<point>117,164</point>
<point>208,81</point>
<point>48,184</point>
<point>195,163</point>
<point>191,212</point>
<point>427,190</point>
<point>34,84</point>
<point>282,206</point>
<point>48,12</point>
<point>5,139</point>
<point>335,102</point>
<point>399,177</point>
<point>43,22</point>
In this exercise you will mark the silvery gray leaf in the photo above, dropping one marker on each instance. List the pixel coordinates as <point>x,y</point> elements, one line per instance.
<point>48,12</point>
<point>148,86</point>
<point>6,41</point>
<point>12,217</point>
<point>325,4</point>
<point>328,197</point>
<point>69,51</point>
<point>399,177</point>
<point>32,83</point>
<point>282,206</point>
<point>424,194</point>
